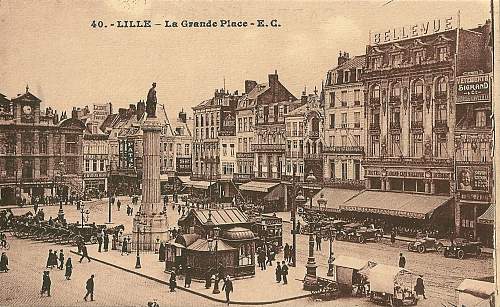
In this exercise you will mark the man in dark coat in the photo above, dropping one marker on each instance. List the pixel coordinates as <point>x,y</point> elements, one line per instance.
<point>90,288</point>
<point>172,281</point>
<point>61,260</point>
<point>393,236</point>
<point>227,287</point>
<point>278,272</point>
<point>187,279</point>
<point>208,279</point>
<point>286,252</point>
<point>419,287</point>
<point>402,260</point>
<point>284,272</point>
<point>318,242</point>
<point>85,253</point>
<point>161,252</point>
<point>4,262</point>
<point>49,259</point>
<point>106,242</point>
<point>45,284</point>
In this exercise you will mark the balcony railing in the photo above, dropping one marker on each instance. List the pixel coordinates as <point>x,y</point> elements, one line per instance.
<point>242,177</point>
<point>375,100</point>
<point>440,95</point>
<point>345,149</point>
<point>417,124</point>
<point>395,125</point>
<point>350,184</point>
<point>441,123</point>
<point>374,126</point>
<point>268,147</point>
<point>395,99</point>
<point>313,134</point>
<point>311,156</point>
<point>241,155</point>
<point>294,155</point>
<point>417,97</point>
<point>414,161</point>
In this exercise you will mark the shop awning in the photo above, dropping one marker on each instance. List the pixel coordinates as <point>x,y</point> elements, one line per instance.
<point>184,179</point>
<point>397,204</point>
<point>201,245</point>
<point>334,197</point>
<point>276,194</point>
<point>258,186</point>
<point>351,262</point>
<point>477,288</point>
<point>163,177</point>
<point>488,217</point>
<point>198,184</point>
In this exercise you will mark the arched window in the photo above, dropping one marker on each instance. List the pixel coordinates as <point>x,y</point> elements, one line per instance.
<point>375,94</point>
<point>395,91</point>
<point>418,90</point>
<point>441,87</point>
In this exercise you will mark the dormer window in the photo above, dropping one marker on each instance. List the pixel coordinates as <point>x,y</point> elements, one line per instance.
<point>346,76</point>
<point>442,53</point>
<point>396,60</point>
<point>358,75</point>
<point>419,57</point>
<point>376,63</point>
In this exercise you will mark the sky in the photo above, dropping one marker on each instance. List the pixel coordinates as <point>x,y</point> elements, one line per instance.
<point>51,46</point>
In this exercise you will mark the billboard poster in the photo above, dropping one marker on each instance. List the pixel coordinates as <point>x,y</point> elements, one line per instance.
<point>228,123</point>
<point>473,88</point>
<point>473,178</point>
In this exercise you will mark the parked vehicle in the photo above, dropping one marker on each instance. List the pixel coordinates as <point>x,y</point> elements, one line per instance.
<point>347,231</point>
<point>462,247</point>
<point>422,245</point>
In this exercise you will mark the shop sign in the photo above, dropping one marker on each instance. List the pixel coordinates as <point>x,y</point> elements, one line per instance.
<point>384,211</point>
<point>475,88</point>
<point>183,165</point>
<point>371,172</point>
<point>473,178</point>
<point>228,122</point>
<point>474,196</point>
<point>405,174</point>
<point>427,27</point>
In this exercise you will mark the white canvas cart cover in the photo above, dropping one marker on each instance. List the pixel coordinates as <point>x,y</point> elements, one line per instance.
<point>384,277</point>
<point>477,288</point>
<point>350,262</point>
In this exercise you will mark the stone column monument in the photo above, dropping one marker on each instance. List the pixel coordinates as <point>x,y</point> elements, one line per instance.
<point>150,223</point>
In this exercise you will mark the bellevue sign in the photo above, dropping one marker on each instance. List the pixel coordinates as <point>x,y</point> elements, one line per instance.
<point>415,30</point>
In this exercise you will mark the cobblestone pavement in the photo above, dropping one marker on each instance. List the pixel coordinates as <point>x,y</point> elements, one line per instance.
<point>113,287</point>
<point>441,275</point>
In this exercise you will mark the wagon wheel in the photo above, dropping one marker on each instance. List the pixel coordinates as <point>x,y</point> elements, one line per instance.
<point>339,237</point>
<point>378,237</point>
<point>410,246</point>
<point>461,254</point>
<point>361,239</point>
<point>421,248</point>
<point>439,247</point>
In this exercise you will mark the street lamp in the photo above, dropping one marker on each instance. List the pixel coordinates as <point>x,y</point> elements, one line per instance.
<point>84,211</point>
<point>310,179</point>
<point>138,257</point>
<point>299,199</point>
<point>264,234</point>
<point>331,233</point>
<point>60,214</point>
<point>211,248</point>
<point>310,280</point>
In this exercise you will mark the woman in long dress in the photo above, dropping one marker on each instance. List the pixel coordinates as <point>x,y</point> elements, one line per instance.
<point>69,269</point>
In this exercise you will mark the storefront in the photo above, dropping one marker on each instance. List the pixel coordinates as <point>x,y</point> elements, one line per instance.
<point>255,192</point>
<point>486,226</point>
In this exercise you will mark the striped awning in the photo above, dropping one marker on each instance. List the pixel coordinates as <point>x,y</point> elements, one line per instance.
<point>488,217</point>
<point>258,186</point>
<point>409,205</point>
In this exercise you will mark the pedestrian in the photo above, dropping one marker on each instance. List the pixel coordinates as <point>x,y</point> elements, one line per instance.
<point>35,207</point>
<point>45,284</point>
<point>128,210</point>
<point>61,260</point>
<point>124,246</point>
<point>298,227</point>
<point>393,236</point>
<point>419,287</point>
<point>179,210</point>
<point>118,204</point>
<point>172,281</point>
<point>4,262</point>
<point>402,260</point>
<point>69,269</point>
<point>227,287</point>
<point>90,288</point>
<point>318,241</point>
<point>452,238</point>
<point>286,252</point>
<point>85,253</point>
<point>278,272</point>
<point>99,241</point>
<point>187,280</point>
<point>208,279</point>
<point>269,256</point>
<point>49,259</point>
<point>106,242</point>
<point>284,272</point>
<point>161,252</point>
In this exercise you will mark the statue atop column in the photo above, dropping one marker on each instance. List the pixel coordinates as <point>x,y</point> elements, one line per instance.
<point>151,101</point>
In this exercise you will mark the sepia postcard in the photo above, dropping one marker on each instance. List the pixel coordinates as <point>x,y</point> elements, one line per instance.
<point>276,153</point>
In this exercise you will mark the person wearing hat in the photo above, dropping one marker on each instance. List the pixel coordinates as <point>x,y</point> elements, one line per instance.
<point>187,279</point>
<point>60,266</point>
<point>402,261</point>
<point>4,262</point>
<point>228,287</point>
<point>90,288</point>
<point>45,284</point>
<point>419,287</point>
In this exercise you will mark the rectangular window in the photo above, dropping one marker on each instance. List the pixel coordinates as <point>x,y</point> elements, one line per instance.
<point>442,53</point>
<point>332,99</point>
<point>419,57</point>
<point>44,165</point>
<point>224,150</point>
<point>250,123</point>
<point>480,118</point>
<point>231,146</point>
<point>294,129</point>
<point>240,143</point>
<point>396,146</point>
<point>42,144</point>
<point>375,145</point>
<point>357,119</point>
<point>441,140</point>
<point>102,166</point>
<point>417,144</point>
<point>357,99</point>
<point>332,121</point>
<point>10,167</point>
<point>343,98</point>
<point>376,63</point>
<point>332,140</point>
<point>332,169</point>
<point>94,165</point>
<point>245,124</point>
<point>344,120</point>
<point>346,76</point>
<point>301,129</point>
<point>396,60</point>
<point>357,140</point>
<point>179,149</point>
<point>343,140</point>
<point>186,149</point>
<point>239,124</point>
<point>344,170</point>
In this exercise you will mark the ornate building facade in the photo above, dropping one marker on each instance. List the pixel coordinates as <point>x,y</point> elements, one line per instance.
<point>40,154</point>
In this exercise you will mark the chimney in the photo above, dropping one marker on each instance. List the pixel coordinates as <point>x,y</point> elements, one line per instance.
<point>141,108</point>
<point>273,79</point>
<point>249,86</point>
<point>132,108</point>
<point>182,116</point>
<point>122,112</point>
<point>236,93</point>
<point>303,98</point>
<point>74,113</point>
<point>343,57</point>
